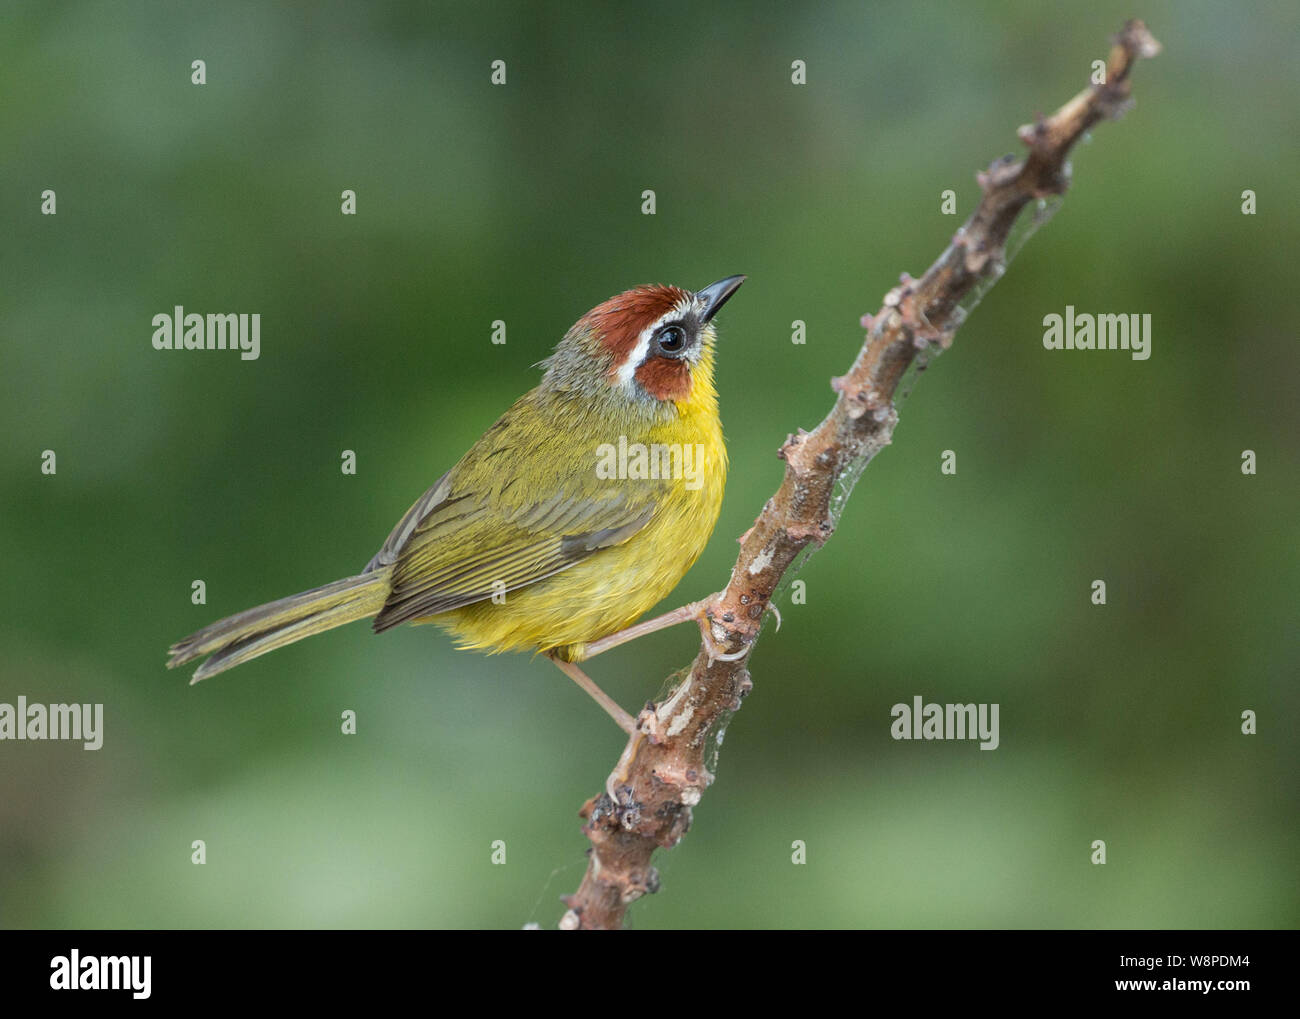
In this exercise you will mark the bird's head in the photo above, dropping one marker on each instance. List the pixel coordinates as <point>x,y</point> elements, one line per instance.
<point>650,346</point>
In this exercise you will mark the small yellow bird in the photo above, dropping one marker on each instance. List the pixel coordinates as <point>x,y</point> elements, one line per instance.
<point>578,510</point>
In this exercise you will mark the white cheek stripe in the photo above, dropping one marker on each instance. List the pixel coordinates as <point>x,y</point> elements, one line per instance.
<point>634,360</point>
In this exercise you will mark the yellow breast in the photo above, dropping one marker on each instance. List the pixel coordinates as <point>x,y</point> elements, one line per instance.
<point>616,586</point>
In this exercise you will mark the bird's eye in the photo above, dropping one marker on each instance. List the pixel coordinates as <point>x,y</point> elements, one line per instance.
<point>671,339</point>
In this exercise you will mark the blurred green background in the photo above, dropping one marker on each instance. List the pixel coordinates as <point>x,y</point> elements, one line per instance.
<point>522,203</point>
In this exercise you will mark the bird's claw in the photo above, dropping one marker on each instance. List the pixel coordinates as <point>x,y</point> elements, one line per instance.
<point>711,646</point>
<point>647,723</point>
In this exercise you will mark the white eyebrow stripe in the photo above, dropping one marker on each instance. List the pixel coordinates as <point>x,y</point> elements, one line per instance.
<point>636,357</point>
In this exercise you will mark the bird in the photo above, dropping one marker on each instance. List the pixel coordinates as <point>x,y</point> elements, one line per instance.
<point>577,511</point>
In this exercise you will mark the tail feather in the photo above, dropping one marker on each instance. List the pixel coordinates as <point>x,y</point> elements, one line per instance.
<point>246,635</point>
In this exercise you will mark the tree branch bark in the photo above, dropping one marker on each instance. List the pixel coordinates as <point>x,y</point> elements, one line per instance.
<point>662,773</point>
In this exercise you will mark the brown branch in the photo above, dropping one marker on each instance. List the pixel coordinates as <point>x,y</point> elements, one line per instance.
<point>662,772</point>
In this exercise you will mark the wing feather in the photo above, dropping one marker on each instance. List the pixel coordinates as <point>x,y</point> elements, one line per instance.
<point>474,533</point>
<point>426,584</point>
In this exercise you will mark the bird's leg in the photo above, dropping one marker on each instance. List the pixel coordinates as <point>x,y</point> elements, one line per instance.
<point>692,610</point>
<point>570,669</point>
<point>697,610</point>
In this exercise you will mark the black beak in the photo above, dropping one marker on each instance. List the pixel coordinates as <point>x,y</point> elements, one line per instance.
<point>715,295</point>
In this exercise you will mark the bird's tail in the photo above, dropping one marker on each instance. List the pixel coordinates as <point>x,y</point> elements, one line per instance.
<point>240,638</point>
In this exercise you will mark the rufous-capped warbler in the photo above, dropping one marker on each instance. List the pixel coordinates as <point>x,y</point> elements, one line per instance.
<point>578,510</point>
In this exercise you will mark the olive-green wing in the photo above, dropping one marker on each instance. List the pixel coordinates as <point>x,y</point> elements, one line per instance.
<point>522,505</point>
<point>464,550</point>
